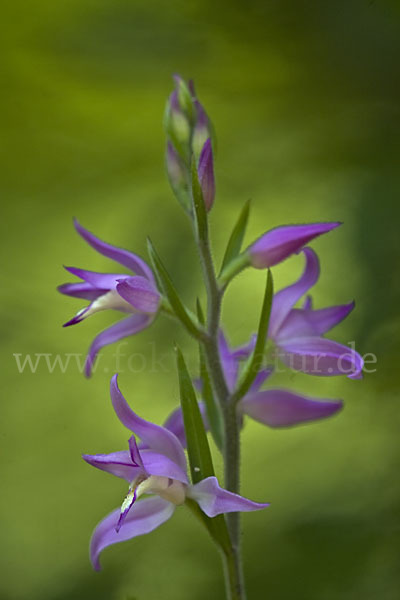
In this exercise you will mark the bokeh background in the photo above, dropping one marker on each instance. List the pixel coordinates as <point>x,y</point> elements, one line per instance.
<point>305,99</point>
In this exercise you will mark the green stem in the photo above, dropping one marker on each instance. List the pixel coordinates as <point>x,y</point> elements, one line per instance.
<point>233,268</point>
<point>232,562</point>
<point>233,580</point>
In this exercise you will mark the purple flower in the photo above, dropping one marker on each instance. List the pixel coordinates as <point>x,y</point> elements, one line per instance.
<point>137,295</point>
<point>158,471</point>
<point>278,244</point>
<point>206,174</point>
<point>298,332</point>
<point>272,407</point>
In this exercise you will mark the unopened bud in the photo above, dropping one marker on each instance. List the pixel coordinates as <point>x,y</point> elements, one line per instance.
<point>206,174</point>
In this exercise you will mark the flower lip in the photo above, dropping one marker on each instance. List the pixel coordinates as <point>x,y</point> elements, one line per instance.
<point>78,318</point>
<point>140,293</point>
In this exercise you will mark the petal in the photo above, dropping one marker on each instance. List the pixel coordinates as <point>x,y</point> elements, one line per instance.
<point>157,464</point>
<point>113,334</point>
<point>214,500</point>
<point>206,174</point>
<point>134,453</point>
<point>261,378</point>
<point>105,281</point>
<point>175,422</point>
<point>140,293</point>
<point>320,356</point>
<point>154,436</point>
<point>285,299</point>
<point>124,257</point>
<point>230,364</point>
<point>109,300</point>
<point>145,516</point>
<point>282,408</point>
<point>244,351</point>
<point>79,317</point>
<point>81,290</point>
<point>302,322</point>
<point>278,244</point>
<point>116,463</point>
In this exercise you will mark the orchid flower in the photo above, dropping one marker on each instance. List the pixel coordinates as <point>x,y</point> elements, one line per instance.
<point>298,332</point>
<point>158,471</point>
<point>273,407</point>
<point>136,295</point>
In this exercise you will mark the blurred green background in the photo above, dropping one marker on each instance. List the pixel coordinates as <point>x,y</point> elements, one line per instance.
<point>305,99</point>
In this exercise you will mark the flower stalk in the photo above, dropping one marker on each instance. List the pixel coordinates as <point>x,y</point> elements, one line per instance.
<point>155,466</point>
<point>233,568</point>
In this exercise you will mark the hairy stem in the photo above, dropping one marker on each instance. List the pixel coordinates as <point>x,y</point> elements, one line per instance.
<point>233,578</point>
<point>233,568</point>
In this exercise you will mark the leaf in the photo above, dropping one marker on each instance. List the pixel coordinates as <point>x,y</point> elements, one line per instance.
<point>197,444</point>
<point>200,460</point>
<point>254,363</point>
<point>213,410</point>
<point>199,205</point>
<point>167,286</point>
<point>215,526</point>
<point>237,235</point>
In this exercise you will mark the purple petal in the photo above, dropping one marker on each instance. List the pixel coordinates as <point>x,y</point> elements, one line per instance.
<point>145,516</point>
<point>214,500</point>
<point>140,293</point>
<point>320,356</point>
<point>81,290</point>
<point>206,174</point>
<point>285,299</point>
<point>125,508</point>
<point>105,281</point>
<point>154,436</point>
<point>116,463</point>
<point>123,257</point>
<point>175,423</point>
<point>78,318</point>
<point>230,364</point>
<point>113,334</point>
<point>260,379</point>
<point>162,466</point>
<point>282,408</point>
<point>278,244</point>
<point>244,351</point>
<point>135,454</point>
<point>302,322</point>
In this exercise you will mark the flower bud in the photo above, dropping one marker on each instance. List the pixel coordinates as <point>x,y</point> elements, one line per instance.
<point>206,174</point>
<point>178,176</point>
<point>278,244</point>
<point>177,126</point>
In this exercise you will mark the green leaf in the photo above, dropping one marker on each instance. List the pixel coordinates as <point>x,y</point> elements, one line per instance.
<point>237,235</point>
<point>215,526</point>
<point>254,362</point>
<point>200,460</point>
<point>213,410</point>
<point>167,286</point>
<point>199,205</point>
<point>197,444</point>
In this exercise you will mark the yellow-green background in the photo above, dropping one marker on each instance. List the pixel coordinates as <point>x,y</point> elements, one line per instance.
<point>305,99</point>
